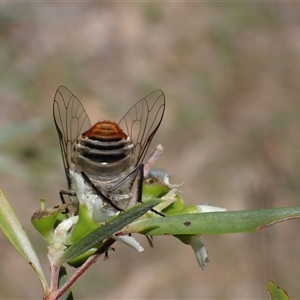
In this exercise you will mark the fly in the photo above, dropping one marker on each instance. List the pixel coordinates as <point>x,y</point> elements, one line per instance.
<point>102,161</point>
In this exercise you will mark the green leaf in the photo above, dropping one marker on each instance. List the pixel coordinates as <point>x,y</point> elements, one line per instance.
<point>11,226</point>
<point>154,187</point>
<point>104,231</point>
<point>275,292</point>
<point>214,222</point>
<point>84,225</point>
<point>63,278</point>
<point>44,220</point>
<point>79,260</point>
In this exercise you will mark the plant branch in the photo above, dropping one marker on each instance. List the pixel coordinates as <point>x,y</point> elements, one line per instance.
<point>90,261</point>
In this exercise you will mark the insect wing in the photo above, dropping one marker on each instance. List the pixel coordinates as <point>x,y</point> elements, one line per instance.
<point>71,120</point>
<point>142,121</point>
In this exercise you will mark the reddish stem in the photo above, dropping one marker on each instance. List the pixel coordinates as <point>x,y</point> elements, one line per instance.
<point>91,260</point>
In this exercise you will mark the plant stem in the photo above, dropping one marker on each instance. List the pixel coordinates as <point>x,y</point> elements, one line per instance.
<point>91,260</point>
<point>54,277</point>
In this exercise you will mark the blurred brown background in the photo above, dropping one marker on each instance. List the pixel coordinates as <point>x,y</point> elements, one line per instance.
<point>230,73</point>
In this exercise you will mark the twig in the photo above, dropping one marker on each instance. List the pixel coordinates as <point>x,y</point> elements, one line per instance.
<point>90,261</point>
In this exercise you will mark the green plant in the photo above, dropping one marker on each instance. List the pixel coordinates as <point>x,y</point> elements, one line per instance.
<point>78,240</point>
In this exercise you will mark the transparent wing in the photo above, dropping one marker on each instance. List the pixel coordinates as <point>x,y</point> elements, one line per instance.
<point>142,121</point>
<point>70,120</point>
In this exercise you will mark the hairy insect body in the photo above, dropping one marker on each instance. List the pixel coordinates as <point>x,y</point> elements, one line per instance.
<point>105,154</point>
<point>104,151</point>
<point>102,161</point>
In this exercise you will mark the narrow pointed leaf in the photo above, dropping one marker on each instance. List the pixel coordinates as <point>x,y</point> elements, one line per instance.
<point>63,278</point>
<point>112,226</point>
<point>12,228</point>
<point>276,293</point>
<point>214,222</point>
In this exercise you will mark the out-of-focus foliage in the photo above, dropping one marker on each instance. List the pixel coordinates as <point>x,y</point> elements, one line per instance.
<point>231,129</point>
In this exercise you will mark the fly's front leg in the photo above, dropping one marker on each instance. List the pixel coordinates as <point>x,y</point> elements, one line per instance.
<point>63,193</point>
<point>140,183</point>
<point>98,192</point>
<point>146,169</point>
<point>139,190</point>
<point>142,170</point>
<point>137,196</point>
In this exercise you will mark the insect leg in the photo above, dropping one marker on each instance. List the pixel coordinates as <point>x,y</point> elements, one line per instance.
<point>62,193</point>
<point>140,183</point>
<point>140,170</point>
<point>140,188</point>
<point>128,177</point>
<point>98,192</point>
<point>144,171</point>
<point>153,157</point>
